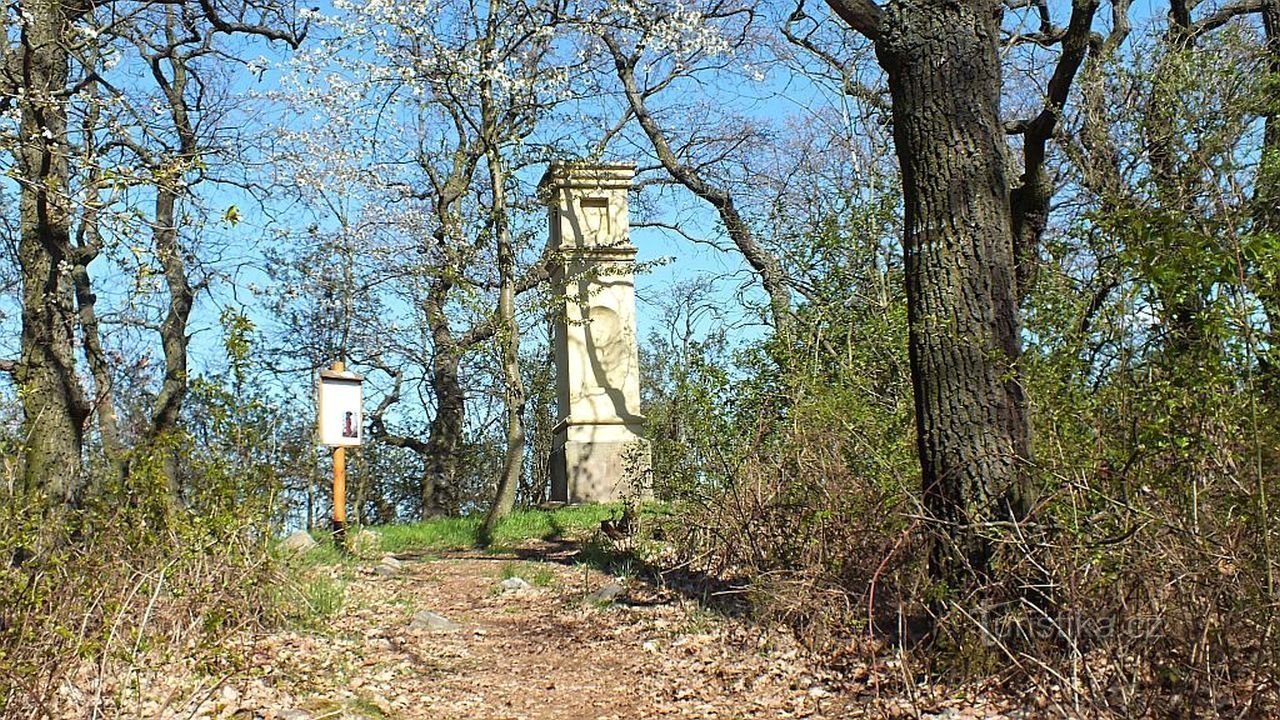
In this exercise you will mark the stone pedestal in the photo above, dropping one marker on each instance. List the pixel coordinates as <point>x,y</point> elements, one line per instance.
<point>599,453</point>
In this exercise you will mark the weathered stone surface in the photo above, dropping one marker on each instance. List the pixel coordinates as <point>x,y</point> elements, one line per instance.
<point>598,449</point>
<point>607,593</point>
<point>299,542</point>
<point>514,584</point>
<point>427,620</point>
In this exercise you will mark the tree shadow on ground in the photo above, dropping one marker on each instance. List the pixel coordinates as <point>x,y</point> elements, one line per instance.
<point>659,584</point>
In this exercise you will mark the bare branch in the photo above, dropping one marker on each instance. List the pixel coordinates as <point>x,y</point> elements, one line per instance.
<point>861,15</point>
<point>1225,14</point>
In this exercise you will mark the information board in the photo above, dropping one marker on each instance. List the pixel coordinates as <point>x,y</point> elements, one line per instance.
<point>340,411</point>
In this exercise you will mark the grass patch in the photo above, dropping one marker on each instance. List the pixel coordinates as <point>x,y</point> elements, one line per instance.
<point>324,553</point>
<point>519,527</point>
<point>309,599</point>
<point>435,534</point>
<point>532,573</point>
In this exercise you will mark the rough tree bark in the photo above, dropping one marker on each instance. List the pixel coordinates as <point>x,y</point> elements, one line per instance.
<point>54,405</point>
<point>970,249</point>
<point>445,440</point>
<point>973,434</point>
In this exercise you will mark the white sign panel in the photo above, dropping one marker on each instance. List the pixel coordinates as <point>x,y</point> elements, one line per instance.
<point>340,412</point>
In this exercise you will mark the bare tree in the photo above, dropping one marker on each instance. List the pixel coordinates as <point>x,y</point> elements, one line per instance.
<point>655,51</point>
<point>52,64</point>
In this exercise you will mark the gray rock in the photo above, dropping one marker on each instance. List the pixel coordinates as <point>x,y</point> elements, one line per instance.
<point>299,542</point>
<point>388,566</point>
<point>427,620</point>
<point>608,593</point>
<point>293,714</point>
<point>514,584</point>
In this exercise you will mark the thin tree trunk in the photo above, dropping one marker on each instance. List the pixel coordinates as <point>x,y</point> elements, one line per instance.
<point>508,334</point>
<point>509,339</point>
<point>54,405</point>
<point>88,246</point>
<point>96,357</point>
<point>973,434</point>
<point>173,334</point>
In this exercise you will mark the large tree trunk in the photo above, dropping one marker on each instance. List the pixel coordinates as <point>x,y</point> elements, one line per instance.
<point>53,401</point>
<point>445,439</point>
<point>973,433</point>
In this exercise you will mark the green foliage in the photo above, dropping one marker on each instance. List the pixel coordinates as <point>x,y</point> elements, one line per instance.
<point>162,561</point>
<point>319,597</point>
<point>534,573</point>
<point>518,527</point>
<point>791,460</point>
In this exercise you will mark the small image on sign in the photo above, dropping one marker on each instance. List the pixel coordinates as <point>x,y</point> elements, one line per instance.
<point>339,404</point>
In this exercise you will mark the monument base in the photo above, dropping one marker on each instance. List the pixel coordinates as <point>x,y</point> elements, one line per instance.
<point>598,463</point>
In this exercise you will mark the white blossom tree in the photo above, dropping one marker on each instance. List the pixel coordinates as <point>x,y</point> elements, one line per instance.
<point>427,119</point>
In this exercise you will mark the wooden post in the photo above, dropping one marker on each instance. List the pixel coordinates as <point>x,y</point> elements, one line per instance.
<point>339,487</point>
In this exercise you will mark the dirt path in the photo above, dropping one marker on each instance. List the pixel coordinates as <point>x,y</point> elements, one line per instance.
<point>442,639</point>
<point>552,650</point>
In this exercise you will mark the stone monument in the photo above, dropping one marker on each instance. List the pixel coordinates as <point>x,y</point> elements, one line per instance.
<point>599,453</point>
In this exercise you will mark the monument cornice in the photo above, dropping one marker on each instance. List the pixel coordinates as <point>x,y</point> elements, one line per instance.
<point>596,252</point>
<point>574,422</point>
<point>587,176</point>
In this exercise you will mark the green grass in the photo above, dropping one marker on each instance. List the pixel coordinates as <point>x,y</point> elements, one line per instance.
<point>308,600</point>
<point>519,527</point>
<point>531,573</point>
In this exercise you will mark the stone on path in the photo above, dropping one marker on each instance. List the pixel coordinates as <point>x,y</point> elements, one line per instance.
<point>427,620</point>
<point>514,584</point>
<point>299,542</point>
<point>608,593</point>
<point>388,566</point>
